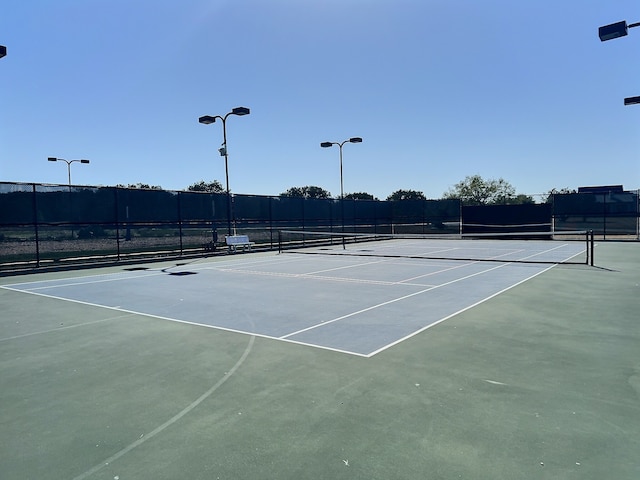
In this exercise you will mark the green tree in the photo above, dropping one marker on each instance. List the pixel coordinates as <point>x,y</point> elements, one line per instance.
<point>209,187</point>
<point>359,196</point>
<point>306,192</point>
<point>521,199</point>
<point>475,190</point>
<point>406,195</point>
<point>554,191</point>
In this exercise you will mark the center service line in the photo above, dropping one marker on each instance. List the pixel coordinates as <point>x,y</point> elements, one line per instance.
<point>390,301</point>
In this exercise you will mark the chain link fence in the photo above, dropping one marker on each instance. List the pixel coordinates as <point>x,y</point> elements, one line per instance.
<point>52,225</point>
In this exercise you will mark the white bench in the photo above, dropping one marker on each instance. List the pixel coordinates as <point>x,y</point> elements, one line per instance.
<point>235,241</point>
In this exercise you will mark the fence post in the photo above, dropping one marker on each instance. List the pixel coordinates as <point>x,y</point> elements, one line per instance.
<point>35,222</point>
<point>117,219</point>
<point>637,214</point>
<point>180,221</point>
<point>604,216</point>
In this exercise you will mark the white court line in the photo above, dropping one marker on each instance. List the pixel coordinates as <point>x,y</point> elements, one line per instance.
<point>404,297</point>
<point>437,272</point>
<point>432,248</point>
<point>406,337</point>
<point>398,282</point>
<point>173,419</point>
<point>313,274</point>
<point>114,276</point>
<point>343,267</point>
<point>71,283</point>
<point>61,328</point>
<point>308,276</point>
<point>187,322</point>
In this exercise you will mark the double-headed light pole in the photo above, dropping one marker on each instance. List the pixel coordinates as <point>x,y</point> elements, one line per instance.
<point>207,120</point>
<point>68,162</point>
<point>340,144</point>
<point>617,30</point>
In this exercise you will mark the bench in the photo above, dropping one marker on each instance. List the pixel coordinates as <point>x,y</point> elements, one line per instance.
<point>235,241</point>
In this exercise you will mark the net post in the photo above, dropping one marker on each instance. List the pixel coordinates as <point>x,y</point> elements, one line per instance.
<point>587,248</point>
<point>591,245</point>
<point>586,238</point>
<point>279,242</point>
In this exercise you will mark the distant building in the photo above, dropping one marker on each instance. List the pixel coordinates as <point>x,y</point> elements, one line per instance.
<point>602,189</point>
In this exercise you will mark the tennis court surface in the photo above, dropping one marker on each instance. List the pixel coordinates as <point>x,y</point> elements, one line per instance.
<point>352,302</point>
<point>283,365</point>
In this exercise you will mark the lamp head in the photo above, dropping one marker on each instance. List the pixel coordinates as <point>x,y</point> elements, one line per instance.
<point>52,159</point>
<point>355,140</point>
<point>207,119</point>
<point>241,111</point>
<point>326,144</point>
<point>85,161</point>
<point>615,30</point>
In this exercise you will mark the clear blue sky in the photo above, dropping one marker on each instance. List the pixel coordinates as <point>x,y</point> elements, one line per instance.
<point>438,89</point>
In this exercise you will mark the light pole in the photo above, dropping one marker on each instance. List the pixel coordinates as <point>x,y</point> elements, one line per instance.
<point>617,30</point>
<point>340,144</point>
<point>207,120</point>
<point>68,162</point>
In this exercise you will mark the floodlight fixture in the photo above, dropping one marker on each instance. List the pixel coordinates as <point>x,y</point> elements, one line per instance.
<point>615,30</point>
<point>207,120</point>
<point>355,140</point>
<point>631,100</point>
<point>241,111</point>
<point>326,144</point>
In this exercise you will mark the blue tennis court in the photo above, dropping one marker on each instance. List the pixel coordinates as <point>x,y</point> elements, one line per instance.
<point>359,305</point>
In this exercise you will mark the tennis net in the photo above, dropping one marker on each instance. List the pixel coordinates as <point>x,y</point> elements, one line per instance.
<point>518,247</point>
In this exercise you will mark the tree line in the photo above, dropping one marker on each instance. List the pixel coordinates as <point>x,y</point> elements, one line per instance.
<point>473,190</point>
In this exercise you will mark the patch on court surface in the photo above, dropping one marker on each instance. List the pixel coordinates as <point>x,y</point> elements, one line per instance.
<point>354,305</point>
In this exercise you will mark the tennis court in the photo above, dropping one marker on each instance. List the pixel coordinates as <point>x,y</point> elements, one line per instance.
<point>284,365</point>
<point>360,301</point>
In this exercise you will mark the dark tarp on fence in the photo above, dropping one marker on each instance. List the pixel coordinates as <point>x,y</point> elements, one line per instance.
<point>506,218</point>
<point>41,223</point>
<point>607,214</point>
